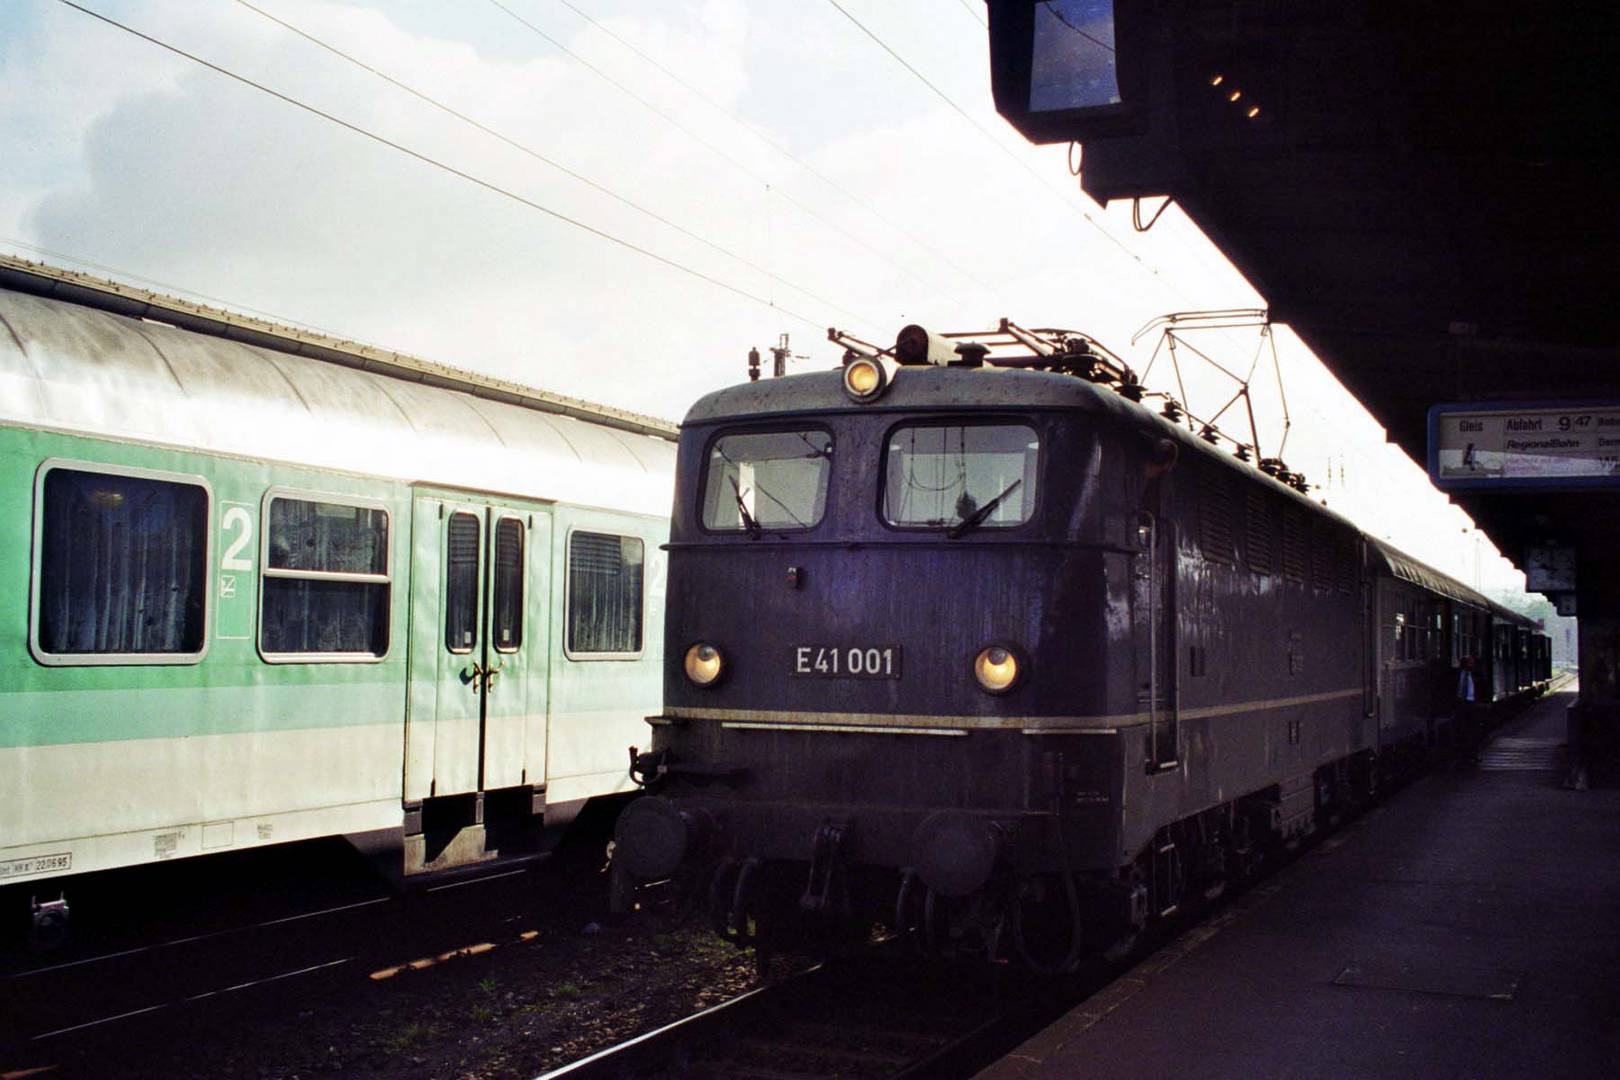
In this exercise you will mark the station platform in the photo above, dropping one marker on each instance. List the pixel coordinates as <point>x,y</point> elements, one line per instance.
<point>1467,927</point>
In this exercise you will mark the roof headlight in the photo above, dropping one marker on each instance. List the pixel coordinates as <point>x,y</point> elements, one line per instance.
<point>865,379</point>
<point>996,668</point>
<point>704,664</point>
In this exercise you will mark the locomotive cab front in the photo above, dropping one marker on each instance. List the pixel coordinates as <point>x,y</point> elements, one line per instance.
<point>891,608</point>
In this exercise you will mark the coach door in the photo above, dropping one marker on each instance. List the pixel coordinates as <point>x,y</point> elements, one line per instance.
<point>1153,629</point>
<point>1392,632</point>
<point>479,595</point>
<point>1369,654</point>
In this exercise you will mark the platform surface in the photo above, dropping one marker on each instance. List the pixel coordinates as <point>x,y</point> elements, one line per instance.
<point>1469,926</point>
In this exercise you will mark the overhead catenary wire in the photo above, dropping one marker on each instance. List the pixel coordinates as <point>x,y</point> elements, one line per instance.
<point>543,159</point>
<point>1165,281</point>
<point>1082,31</point>
<point>982,130</point>
<point>448,168</point>
<point>1026,167</point>
<point>765,137</point>
<point>978,17</point>
<point>701,141</point>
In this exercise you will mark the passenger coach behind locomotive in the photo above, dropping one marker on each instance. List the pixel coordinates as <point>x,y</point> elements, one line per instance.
<point>988,649</point>
<point>258,593</point>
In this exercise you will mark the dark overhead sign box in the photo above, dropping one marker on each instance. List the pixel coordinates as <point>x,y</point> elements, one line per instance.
<point>1056,69</point>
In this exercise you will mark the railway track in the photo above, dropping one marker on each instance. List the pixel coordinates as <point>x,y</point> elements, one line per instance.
<point>880,1014</point>
<point>893,1015</point>
<point>166,983</point>
<point>875,1016</point>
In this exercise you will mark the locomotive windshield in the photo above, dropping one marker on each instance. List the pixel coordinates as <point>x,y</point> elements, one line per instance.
<point>960,476</point>
<point>767,480</point>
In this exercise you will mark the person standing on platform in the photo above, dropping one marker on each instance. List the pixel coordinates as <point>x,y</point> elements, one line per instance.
<point>1464,713</point>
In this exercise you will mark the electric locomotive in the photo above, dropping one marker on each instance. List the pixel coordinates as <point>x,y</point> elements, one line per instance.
<point>977,643</point>
<point>995,656</point>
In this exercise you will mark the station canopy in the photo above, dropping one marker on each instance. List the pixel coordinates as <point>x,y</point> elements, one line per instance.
<point>1425,193</point>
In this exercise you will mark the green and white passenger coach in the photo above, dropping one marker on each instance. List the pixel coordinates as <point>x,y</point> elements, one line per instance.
<point>258,587</point>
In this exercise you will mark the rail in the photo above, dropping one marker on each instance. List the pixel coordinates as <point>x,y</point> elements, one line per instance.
<point>877,1014</point>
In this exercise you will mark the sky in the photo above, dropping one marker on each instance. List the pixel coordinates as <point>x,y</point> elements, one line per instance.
<point>633,194</point>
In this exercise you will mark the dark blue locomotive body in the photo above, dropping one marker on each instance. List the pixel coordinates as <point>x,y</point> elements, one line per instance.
<point>989,649</point>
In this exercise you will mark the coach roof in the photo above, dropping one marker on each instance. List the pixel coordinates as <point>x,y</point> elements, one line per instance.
<point>76,369</point>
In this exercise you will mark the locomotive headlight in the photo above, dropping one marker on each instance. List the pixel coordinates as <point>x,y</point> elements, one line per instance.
<point>864,379</point>
<point>996,668</point>
<point>704,664</point>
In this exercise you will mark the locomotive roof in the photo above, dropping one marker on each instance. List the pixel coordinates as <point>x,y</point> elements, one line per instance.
<point>74,368</point>
<point>925,388</point>
<point>910,388</point>
<point>943,388</point>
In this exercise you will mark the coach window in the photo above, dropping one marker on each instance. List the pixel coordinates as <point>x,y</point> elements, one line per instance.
<point>604,598</point>
<point>462,543</point>
<point>944,475</point>
<point>767,480</point>
<point>506,605</point>
<point>326,584</point>
<point>122,572</point>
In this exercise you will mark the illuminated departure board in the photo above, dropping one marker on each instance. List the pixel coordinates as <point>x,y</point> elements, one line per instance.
<point>1525,445</point>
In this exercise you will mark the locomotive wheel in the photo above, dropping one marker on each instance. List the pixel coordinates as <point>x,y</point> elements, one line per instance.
<point>910,910</point>
<point>722,887</point>
<point>670,904</point>
<point>1045,928</point>
<point>1120,949</point>
<point>1122,946</point>
<point>1247,861</point>
<point>946,925</point>
<point>932,922</point>
<point>747,927</point>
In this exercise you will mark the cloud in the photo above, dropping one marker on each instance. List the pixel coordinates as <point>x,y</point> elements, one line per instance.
<point>136,159</point>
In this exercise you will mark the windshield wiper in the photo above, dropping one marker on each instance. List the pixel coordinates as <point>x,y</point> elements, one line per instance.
<point>742,509</point>
<point>981,513</point>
